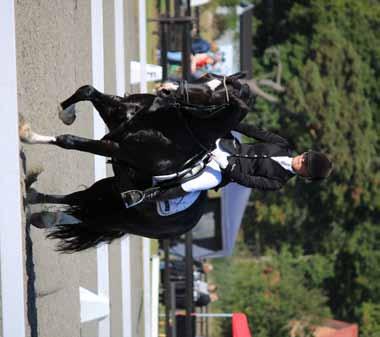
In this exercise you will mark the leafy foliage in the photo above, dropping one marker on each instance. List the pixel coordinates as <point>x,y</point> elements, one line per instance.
<point>330,51</point>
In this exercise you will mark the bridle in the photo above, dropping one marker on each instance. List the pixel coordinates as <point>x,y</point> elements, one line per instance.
<point>209,111</point>
<point>184,91</point>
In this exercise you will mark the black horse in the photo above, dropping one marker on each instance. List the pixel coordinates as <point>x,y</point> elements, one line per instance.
<point>149,135</point>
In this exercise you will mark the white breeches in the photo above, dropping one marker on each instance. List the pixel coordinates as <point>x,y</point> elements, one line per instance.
<point>210,177</point>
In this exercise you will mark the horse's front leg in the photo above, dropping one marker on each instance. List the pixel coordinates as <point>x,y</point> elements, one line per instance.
<point>46,219</point>
<point>106,148</point>
<point>105,104</point>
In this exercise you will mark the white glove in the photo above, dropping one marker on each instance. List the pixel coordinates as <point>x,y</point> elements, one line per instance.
<point>220,159</point>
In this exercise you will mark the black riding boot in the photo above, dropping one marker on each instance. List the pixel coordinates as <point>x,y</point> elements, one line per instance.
<point>155,194</point>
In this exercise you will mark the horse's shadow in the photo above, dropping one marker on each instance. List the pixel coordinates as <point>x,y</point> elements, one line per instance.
<point>37,214</point>
<point>26,181</point>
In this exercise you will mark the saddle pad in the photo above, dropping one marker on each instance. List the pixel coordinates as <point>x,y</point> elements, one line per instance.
<point>172,206</point>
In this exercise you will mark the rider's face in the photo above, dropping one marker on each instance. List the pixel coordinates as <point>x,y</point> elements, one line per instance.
<point>299,165</point>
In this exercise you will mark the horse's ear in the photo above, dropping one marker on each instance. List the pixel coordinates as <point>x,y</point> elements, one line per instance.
<point>204,78</point>
<point>237,76</point>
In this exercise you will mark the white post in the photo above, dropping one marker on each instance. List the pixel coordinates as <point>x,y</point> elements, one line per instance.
<point>100,162</point>
<point>142,45</point>
<point>11,248</point>
<point>147,294</point>
<point>155,294</point>
<point>126,286</point>
<point>92,306</point>
<point>125,241</point>
<point>211,315</point>
<point>146,242</point>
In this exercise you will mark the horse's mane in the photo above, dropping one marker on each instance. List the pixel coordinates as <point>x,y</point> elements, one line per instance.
<point>137,98</point>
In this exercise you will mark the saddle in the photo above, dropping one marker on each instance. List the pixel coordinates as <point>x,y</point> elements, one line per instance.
<point>192,169</point>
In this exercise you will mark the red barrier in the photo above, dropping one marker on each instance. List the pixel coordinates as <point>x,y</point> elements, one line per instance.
<point>240,327</point>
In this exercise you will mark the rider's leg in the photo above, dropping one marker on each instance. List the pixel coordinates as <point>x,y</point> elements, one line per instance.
<point>209,178</point>
<point>164,194</point>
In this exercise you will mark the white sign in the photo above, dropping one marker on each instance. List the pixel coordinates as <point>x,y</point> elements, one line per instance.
<point>153,72</point>
<point>194,3</point>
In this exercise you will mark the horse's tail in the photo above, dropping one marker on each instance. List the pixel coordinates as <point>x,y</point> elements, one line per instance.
<point>89,232</point>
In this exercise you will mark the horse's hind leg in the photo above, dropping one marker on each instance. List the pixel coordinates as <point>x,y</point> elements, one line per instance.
<point>107,105</point>
<point>35,197</point>
<point>102,191</point>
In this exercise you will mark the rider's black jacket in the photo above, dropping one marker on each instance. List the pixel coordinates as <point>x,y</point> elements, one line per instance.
<point>251,164</point>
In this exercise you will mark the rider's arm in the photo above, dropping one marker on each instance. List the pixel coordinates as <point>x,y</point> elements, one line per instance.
<point>252,131</point>
<point>261,183</point>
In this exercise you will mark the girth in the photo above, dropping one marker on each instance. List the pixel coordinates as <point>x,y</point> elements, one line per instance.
<point>193,167</point>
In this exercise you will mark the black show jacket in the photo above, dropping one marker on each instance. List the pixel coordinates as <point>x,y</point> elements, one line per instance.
<point>251,165</point>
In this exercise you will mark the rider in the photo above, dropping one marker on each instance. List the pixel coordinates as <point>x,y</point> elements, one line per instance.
<point>265,165</point>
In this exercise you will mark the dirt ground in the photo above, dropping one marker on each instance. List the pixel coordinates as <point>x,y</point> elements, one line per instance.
<point>53,42</point>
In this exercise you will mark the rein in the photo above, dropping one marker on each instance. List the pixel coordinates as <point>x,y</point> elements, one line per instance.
<point>212,110</point>
<point>190,132</point>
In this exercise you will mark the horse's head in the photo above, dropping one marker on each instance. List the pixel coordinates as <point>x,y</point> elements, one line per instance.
<point>186,93</point>
<point>210,89</point>
<point>236,88</point>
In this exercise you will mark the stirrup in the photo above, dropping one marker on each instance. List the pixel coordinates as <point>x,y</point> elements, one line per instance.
<point>132,198</point>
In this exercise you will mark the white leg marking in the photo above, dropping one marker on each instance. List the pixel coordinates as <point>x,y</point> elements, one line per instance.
<point>30,137</point>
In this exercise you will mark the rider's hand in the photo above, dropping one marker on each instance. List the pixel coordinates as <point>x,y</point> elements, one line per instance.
<point>221,160</point>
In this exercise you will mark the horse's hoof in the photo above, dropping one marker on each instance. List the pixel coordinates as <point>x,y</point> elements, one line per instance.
<point>32,176</point>
<point>25,132</point>
<point>68,115</point>
<point>44,219</point>
<point>36,220</point>
<point>33,196</point>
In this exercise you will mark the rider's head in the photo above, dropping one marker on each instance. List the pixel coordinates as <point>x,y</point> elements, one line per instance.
<point>312,165</point>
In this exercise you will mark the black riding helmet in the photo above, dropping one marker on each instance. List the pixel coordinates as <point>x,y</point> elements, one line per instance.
<point>318,165</point>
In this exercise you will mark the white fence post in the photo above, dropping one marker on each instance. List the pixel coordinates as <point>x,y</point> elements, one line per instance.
<point>125,241</point>
<point>11,248</point>
<point>97,48</point>
<point>146,242</point>
<point>92,306</point>
<point>155,294</point>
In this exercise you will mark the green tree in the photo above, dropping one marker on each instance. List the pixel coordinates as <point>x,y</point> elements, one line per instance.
<point>273,291</point>
<point>330,54</point>
<point>371,320</point>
